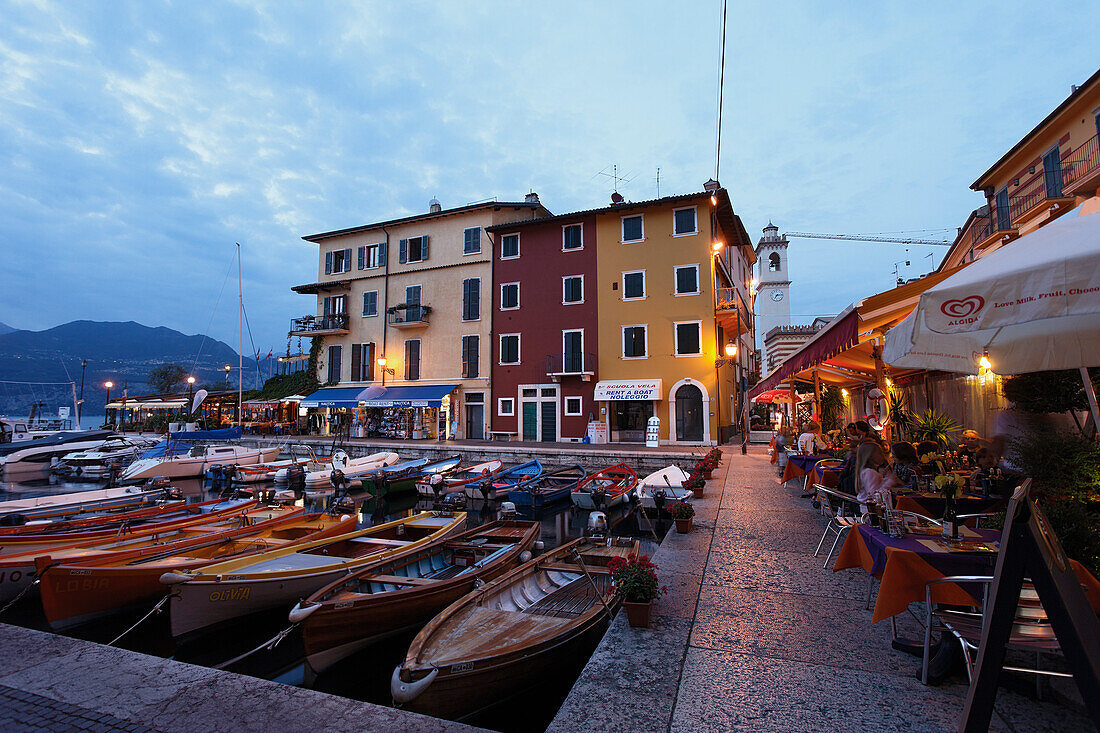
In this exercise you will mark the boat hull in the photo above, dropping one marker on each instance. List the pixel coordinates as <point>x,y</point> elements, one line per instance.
<point>583,500</point>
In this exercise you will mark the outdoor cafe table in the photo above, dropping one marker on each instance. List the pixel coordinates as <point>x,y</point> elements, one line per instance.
<point>932,505</point>
<point>798,466</point>
<point>905,565</point>
<point>827,477</point>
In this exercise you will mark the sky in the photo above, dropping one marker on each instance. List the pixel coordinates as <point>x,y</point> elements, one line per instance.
<point>140,140</point>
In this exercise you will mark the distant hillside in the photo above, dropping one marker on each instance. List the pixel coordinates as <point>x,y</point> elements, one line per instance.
<point>5,328</point>
<point>123,353</point>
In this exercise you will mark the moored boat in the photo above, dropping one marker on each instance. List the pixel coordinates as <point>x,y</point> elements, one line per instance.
<point>38,455</point>
<point>402,477</point>
<point>504,480</point>
<point>77,592</point>
<point>548,488</point>
<point>545,616</point>
<point>195,461</point>
<point>93,463</point>
<point>455,481</point>
<point>386,598</point>
<point>664,485</point>
<point>231,590</point>
<point>349,469</point>
<point>605,488</point>
<point>17,511</point>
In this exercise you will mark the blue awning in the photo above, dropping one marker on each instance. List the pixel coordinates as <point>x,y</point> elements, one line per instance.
<point>427,395</point>
<point>334,397</point>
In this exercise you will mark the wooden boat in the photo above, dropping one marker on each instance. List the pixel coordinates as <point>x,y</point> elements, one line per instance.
<point>169,517</point>
<point>403,476</point>
<point>665,485</point>
<point>76,591</point>
<point>605,488</point>
<point>544,617</point>
<point>16,511</point>
<point>350,468</point>
<point>17,569</point>
<point>231,590</point>
<point>547,488</point>
<point>506,479</point>
<point>386,598</point>
<point>87,520</point>
<point>454,482</point>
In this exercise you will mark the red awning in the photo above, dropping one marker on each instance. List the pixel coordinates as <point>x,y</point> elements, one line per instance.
<point>841,334</point>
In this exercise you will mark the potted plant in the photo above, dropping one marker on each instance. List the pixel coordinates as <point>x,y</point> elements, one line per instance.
<point>635,580</point>
<point>682,513</point>
<point>695,484</point>
<point>715,456</point>
<point>705,467</point>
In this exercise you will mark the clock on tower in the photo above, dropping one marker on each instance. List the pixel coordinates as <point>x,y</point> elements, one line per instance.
<point>777,295</point>
<point>773,308</point>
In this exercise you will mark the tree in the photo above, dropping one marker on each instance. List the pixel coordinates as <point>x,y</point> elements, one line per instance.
<point>166,376</point>
<point>1055,392</point>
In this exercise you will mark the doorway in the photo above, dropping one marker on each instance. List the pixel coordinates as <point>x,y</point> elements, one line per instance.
<point>539,413</point>
<point>689,413</point>
<point>475,415</point>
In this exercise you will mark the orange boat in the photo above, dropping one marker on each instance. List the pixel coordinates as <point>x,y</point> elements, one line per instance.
<point>82,589</point>
<point>93,519</point>
<point>181,515</point>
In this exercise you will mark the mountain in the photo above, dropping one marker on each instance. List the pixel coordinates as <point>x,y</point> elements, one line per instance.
<point>123,353</point>
<point>5,328</point>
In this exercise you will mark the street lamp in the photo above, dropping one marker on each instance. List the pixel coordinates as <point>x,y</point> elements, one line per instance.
<point>190,391</point>
<point>385,371</point>
<point>228,369</point>
<point>108,385</point>
<point>731,348</point>
<point>80,402</point>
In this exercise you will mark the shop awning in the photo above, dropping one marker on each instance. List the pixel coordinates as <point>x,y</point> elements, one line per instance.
<point>148,405</point>
<point>334,397</point>
<point>425,395</point>
<point>258,404</point>
<point>627,389</point>
<point>841,334</point>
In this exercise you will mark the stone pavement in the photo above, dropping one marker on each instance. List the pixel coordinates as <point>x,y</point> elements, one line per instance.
<point>754,635</point>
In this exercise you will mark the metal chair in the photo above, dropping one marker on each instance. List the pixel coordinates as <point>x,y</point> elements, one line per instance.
<point>836,505</point>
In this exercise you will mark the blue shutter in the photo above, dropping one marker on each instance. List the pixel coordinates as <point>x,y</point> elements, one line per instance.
<point>424,247</point>
<point>328,306</point>
<point>328,263</point>
<point>382,253</point>
<point>475,298</point>
<point>347,260</point>
<point>362,258</point>
<point>403,251</point>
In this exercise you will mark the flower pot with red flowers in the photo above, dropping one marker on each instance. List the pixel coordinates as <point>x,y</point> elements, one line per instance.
<point>696,484</point>
<point>715,456</point>
<point>635,580</point>
<point>703,468</point>
<point>682,513</point>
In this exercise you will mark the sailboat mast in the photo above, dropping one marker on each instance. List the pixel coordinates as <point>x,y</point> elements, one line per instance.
<point>240,347</point>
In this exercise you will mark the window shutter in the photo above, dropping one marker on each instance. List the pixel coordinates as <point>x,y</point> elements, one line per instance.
<point>362,258</point>
<point>475,298</point>
<point>347,260</point>
<point>355,361</point>
<point>370,362</point>
<point>403,251</point>
<point>328,306</point>
<point>328,263</point>
<point>473,356</point>
<point>382,253</point>
<point>465,357</point>
<point>424,247</point>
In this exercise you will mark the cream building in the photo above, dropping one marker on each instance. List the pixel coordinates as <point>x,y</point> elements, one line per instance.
<point>407,303</point>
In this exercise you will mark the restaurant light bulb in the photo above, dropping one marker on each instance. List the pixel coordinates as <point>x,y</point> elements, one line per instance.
<point>717,246</point>
<point>753,283</point>
<point>984,362</point>
<point>731,349</point>
<point>381,361</point>
<point>889,383</point>
<point>713,200</point>
<point>844,391</point>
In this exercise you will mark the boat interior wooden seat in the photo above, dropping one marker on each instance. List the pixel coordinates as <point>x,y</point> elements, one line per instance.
<point>399,580</point>
<point>466,638</point>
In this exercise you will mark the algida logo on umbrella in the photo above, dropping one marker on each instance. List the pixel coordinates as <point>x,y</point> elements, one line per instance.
<point>963,310</point>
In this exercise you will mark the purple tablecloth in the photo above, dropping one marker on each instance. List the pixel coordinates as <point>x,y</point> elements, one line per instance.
<point>948,563</point>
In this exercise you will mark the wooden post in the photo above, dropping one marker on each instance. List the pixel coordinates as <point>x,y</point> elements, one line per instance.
<point>880,379</point>
<point>817,396</point>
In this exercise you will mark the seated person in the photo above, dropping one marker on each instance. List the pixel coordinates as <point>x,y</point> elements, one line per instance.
<point>846,477</point>
<point>991,468</point>
<point>874,479</point>
<point>906,466</point>
<point>970,443</point>
<point>810,441</point>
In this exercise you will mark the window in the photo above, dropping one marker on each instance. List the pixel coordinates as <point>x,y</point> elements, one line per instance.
<point>470,354</point>
<point>370,303</point>
<point>634,342</point>
<point>334,356</point>
<point>413,249</point>
<point>413,311</point>
<point>573,405</point>
<point>338,261</point>
<point>688,342</point>
<point>509,296</point>
<point>687,280</point>
<point>773,262</point>
<point>336,304</point>
<point>509,246</point>
<point>412,359</point>
<point>362,362</point>
<point>683,222</point>
<point>634,285</point>
<point>572,289</point>
<point>572,352</point>
<point>371,255</point>
<point>471,241</point>
<point>471,299</point>
<point>633,231</point>
<point>509,348</point>
<point>506,406</point>
<point>572,236</point>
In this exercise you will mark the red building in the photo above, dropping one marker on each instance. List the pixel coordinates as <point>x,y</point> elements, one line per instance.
<point>544,328</point>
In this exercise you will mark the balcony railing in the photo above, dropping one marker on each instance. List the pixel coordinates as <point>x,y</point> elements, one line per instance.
<point>1081,167</point>
<point>317,325</point>
<point>728,299</point>
<point>410,316</point>
<point>987,225</point>
<point>570,364</point>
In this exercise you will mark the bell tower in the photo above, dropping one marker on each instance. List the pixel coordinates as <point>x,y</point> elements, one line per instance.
<point>773,303</point>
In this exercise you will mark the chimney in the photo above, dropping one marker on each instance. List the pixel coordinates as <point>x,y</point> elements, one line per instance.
<point>434,207</point>
<point>532,198</point>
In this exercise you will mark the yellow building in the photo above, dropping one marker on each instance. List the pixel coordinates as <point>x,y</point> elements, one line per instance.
<point>666,270</point>
<point>407,303</point>
<point>1053,168</point>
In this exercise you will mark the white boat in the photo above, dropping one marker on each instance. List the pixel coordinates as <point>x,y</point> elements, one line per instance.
<point>667,481</point>
<point>352,468</point>
<point>61,504</point>
<point>93,463</point>
<point>195,461</point>
<point>272,470</point>
<point>39,455</point>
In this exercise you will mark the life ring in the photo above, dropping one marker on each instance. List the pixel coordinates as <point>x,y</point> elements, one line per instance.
<point>883,417</point>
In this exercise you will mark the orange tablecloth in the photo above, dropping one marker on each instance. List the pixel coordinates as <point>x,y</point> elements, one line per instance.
<point>827,477</point>
<point>906,574</point>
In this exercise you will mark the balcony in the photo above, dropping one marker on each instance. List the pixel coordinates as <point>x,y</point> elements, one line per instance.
<point>1043,192</point>
<point>571,365</point>
<point>732,312</point>
<point>334,324</point>
<point>408,316</point>
<point>992,227</point>
<point>1081,169</point>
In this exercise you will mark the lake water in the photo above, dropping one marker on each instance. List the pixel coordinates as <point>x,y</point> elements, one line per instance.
<point>365,675</point>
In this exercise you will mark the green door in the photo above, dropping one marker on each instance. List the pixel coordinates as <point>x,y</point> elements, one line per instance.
<point>549,422</point>
<point>530,421</point>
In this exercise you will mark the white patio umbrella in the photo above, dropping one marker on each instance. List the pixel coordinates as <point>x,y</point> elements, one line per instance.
<point>1031,306</point>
